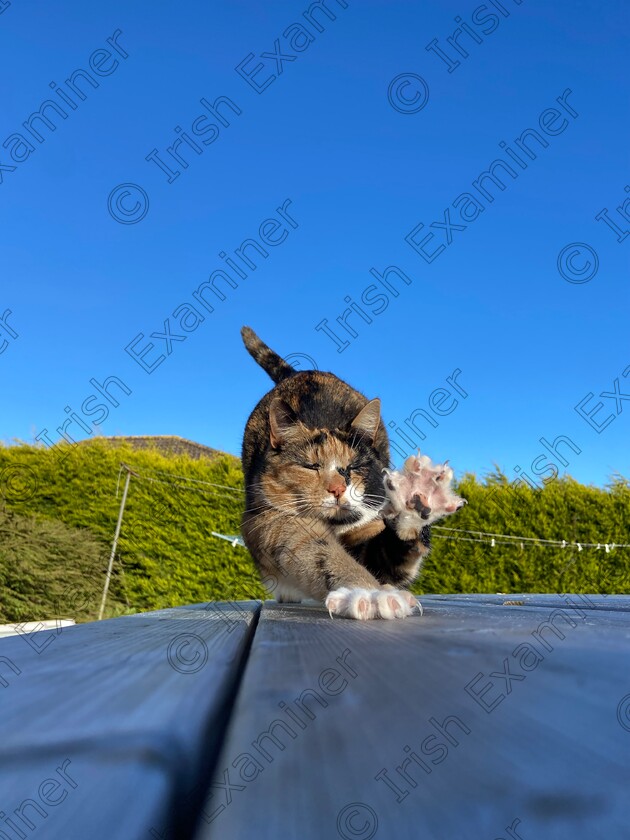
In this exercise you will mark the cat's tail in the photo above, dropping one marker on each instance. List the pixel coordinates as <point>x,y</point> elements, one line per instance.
<point>269,361</point>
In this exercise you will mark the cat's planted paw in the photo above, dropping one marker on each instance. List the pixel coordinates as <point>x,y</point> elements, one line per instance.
<point>364,604</point>
<point>419,495</point>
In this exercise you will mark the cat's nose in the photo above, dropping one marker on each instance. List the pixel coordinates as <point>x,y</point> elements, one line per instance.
<point>337,488</point>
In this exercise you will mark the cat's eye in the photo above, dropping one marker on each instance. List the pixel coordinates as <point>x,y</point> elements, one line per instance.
<point>310,466</point>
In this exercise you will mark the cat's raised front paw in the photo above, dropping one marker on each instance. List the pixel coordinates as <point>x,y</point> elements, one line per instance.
<point>419,495</point>
<point>364,604</point>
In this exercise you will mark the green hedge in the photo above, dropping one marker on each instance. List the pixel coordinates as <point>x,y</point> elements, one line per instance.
<point>562,510</point>
<point>47,570</point>
<point>167,556</point>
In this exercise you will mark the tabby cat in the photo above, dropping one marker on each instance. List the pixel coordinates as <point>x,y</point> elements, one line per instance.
<point>325,518</point>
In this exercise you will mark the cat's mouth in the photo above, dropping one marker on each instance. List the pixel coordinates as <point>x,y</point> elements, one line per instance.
<point>341,512</point>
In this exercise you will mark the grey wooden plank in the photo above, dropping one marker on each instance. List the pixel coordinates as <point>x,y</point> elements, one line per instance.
<point>585,601</point>
<point>97,795</point>
<point>137,706</point>
<point>552,752</point>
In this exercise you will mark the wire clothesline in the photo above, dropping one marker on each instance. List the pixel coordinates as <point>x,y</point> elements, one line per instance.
<point>235,539</point>
<point>195,480</point>
<point>504,539</point>
<point>478,536</point>
<point>184,487</point>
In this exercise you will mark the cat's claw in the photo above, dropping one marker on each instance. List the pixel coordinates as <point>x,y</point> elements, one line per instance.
<point>419,495</point>
<point>364,604</point>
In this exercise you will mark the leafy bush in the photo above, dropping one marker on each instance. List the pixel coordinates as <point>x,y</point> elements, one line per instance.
<point>60,514</point>
<point>166,555</point>
<point>562,510</point>
<point>47,570</point>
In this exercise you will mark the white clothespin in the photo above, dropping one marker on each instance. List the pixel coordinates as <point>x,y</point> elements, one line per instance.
<point>522,546</point>
<point>607,548</point>
<point>579,547</point>
<point>235,543</point>
<point>564,543</point>
<point>598,547</point>
<point>492,543</point>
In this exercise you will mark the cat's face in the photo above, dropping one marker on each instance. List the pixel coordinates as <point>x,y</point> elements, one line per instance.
<point>332,474</point>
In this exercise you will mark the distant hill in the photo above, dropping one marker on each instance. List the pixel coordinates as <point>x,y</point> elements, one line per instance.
<point>58,515</point>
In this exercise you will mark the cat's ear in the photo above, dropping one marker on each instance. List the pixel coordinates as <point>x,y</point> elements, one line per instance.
<point>368,419</point>
<point>282,420</point>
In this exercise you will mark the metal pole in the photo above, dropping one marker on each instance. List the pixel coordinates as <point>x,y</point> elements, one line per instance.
<point>111,556</point>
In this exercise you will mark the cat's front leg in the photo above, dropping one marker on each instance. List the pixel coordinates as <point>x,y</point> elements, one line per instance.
<point>353,592</point>
<point>303,556</point>
<point>419,495</point>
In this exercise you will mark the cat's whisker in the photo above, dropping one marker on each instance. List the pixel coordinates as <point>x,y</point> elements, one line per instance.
<point>267,504</point>
<point>265,524</point>
<point>268,513</point>
<point>270,520</point>
<point>293,506</point>
<point>268,500</point>
<point>271,509</point>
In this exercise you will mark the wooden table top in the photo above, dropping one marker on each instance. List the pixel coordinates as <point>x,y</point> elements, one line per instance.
<point>490,716</point>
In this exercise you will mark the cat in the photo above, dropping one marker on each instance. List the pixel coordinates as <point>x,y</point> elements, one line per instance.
<point>325,518</point>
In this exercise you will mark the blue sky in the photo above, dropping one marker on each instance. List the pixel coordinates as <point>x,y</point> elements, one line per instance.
<point>318,135</point>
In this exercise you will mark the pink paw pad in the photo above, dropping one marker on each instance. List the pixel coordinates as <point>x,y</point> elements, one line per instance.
<point>423,490</point>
